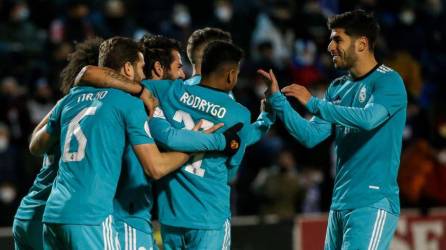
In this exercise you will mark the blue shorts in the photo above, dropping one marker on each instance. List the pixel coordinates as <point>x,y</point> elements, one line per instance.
<point>365,228</point>
<point>81,237</point>
<point>133,239</point>
<point>28,234</point>
<point>196,239</point>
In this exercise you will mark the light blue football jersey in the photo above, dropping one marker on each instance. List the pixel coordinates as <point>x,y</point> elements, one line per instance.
<point>369,115</point>
<point>33,204</point>
<point>96,125</point>
<point>134,199</point>
<point>196,79</point>
<point>197,195</point>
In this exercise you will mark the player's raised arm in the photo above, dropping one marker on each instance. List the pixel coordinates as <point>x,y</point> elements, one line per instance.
<point>261,126</point>
<point>369,117</point>
<point>103,77</point>
<point>309,133</point>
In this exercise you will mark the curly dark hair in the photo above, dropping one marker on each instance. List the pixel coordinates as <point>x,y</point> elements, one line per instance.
<point>85,53</point>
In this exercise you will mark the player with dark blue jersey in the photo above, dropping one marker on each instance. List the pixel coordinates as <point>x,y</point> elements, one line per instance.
<point>367,107</point>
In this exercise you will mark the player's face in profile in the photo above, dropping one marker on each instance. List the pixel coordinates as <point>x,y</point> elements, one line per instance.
<point>139,68</point>
<point>342,49</point>
<point>175,70</point>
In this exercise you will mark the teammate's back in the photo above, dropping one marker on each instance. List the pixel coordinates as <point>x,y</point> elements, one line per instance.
<point>92,141</point>
<point>197,195</point>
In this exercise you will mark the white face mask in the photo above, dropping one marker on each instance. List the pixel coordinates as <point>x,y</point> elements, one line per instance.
<point>223,13</point>
<point>407,17</point>
<point>4,144</point>
<point>7,194</point>
<point>442,156</point>
<point>182,18</point>
<point>260,90</point>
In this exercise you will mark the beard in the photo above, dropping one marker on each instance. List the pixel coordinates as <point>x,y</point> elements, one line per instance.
<point>348,59</point>
<point>168,75</point>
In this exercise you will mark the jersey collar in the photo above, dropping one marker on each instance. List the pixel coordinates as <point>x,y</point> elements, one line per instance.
<point>368,73</point>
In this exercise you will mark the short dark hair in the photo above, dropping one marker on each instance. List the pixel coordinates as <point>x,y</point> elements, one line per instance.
<point>158,48</point>
<point>116,51</point>
<point>357,23</point>
<point>85,53</point>
<point>219,53</point>
<point>202,37</point>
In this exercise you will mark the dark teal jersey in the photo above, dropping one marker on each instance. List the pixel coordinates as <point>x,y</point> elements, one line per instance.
<point>197,195</point>
<point>369,116</point>
<point>96,126</point>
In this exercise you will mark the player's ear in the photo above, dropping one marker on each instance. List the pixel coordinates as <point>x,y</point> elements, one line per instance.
<point>158,70</point>
<point>128,69</point>
<point>232,76</point>
<point>362,44</point>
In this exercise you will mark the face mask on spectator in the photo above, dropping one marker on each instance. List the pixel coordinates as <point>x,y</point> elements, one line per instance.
<point>7,194</point>
<point>223,13</point>
<point>4,144</point>
<point>407,17</point>
<point>182,18</point>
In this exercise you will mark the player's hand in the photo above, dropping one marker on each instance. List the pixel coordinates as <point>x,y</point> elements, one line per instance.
<point>209,130</point>
<point>232,139</point>
<point>264,106</point>
<point>270,80</point>
<point>297,91</point>
<point>150,102</point>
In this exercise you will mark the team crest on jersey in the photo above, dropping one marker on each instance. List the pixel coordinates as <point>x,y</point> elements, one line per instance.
<point>362,94</point>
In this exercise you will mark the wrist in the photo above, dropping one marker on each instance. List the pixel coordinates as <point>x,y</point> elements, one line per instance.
<point>138,94</point>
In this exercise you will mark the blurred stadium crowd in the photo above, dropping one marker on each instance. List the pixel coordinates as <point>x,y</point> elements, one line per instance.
<point>278,175</point>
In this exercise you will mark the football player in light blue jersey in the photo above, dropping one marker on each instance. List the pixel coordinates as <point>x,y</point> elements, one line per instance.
<point>193,204</point>
<point>196,45</point>
<point>28,227</point>
<point>367,108</point>
<point>134,197</point>
<point>96,125</point>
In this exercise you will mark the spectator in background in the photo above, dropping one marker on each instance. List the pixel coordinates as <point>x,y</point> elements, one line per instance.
<point>274,26</point>
<point>75,26</point>
<point>41,102</point>
<point>8,176</point>
<point>280,187</point>
<point>14,111</point>
<point>179,26</point>
<point>18,34</point>
<point>115,20</point>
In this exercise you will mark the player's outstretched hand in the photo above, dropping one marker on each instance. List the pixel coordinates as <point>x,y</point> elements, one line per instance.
<point>297,91</point>
<point>210,130</point>
<point>270,80</point>
<point>150,102</point>
<point>232,139</point>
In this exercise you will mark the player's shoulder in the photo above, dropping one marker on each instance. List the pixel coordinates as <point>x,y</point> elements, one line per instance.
<point>120,99</point>
<point>386,74</point>
<point>241,110</point>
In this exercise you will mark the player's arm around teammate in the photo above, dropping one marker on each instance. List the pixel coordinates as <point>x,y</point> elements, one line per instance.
<point>174,139</point>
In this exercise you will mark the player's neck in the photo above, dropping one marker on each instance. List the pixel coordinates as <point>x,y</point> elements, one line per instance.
<point>212,82</point>
<point>363,66</point>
